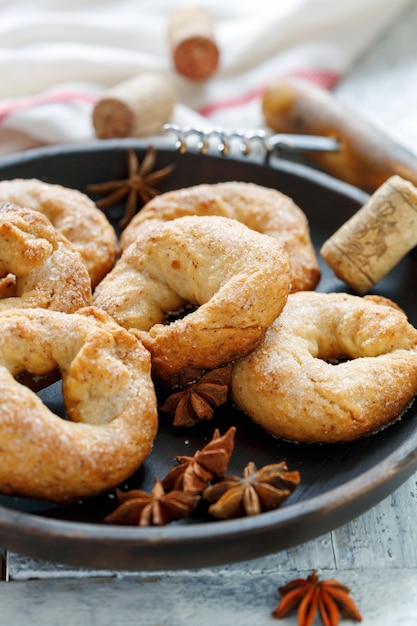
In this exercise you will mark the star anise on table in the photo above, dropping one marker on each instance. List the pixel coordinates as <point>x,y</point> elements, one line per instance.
<point>138,187</point>
<point>253,492</point>
<point>198,400</point>
<point>157,508</point>
<point>194,473</point>
<point>308,595</point>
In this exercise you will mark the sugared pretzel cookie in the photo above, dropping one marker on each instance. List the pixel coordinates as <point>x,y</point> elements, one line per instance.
<point>333,367</point>
<point>74,215</point>
<point>237,279</point>
<point>262,209</point>
<point>39,267</point>
<point>108,394</point>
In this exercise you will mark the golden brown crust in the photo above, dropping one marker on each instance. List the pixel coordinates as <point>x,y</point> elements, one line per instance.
<point>74,215</point>
<point>291,388</point>
<point>237,279</point>
<point>109,397</point>
<point>39,267</point>
<point>262,209</point>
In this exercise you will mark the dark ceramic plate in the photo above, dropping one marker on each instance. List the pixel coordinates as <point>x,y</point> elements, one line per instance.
<point>338,482</point>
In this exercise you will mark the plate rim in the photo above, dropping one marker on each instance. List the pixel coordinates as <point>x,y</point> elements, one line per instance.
<point>371,485</point>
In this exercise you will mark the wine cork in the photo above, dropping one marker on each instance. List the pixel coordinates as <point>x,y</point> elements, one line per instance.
<point>137,107</point>
<point>192,41</point>
<point>369,245</point>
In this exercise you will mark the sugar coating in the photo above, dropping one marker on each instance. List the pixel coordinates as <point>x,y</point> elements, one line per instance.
<point>333,367</point>
<point>74,215</point>
<point>237,279</point>
<point>108,394</point>
<point>262,209</point>
<point>48,272</point>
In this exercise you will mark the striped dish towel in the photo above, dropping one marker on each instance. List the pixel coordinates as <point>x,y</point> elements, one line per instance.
<point>57,59</point>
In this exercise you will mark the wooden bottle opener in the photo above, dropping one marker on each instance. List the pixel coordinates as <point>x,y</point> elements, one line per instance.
<point>367,156</point>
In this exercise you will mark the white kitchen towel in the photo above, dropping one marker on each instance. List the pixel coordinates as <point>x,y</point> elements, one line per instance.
<point>58,57</point>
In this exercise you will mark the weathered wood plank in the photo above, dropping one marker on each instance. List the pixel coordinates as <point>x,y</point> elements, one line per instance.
<point>385,536</point>
<point>318,552</point>
<point>188,599</point>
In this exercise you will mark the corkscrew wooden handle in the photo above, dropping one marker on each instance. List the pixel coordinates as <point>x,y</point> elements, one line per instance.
<point>367,157</point>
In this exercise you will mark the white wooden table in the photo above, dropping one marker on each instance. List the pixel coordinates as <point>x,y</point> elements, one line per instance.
<point>375,554</point>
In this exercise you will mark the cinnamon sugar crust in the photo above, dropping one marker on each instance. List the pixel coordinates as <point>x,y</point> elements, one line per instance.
<point>333,367</point>
<point>74,215</point>
<point>236,279</point>
<point>261,209</point>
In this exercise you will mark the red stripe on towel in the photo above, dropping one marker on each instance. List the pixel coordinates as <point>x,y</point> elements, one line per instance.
<point>66,97</point>
<point>321,77</point>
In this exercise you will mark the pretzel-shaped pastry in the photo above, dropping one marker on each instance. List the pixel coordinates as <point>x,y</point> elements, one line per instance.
<point>108,395</point>
<point>262,209</point>
<point>297,384</point>
<point>38,265</point>
<point>74,215</point>
<point>238,281</point>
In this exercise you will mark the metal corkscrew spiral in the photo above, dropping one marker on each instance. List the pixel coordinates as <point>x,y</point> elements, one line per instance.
<point>245,142</point>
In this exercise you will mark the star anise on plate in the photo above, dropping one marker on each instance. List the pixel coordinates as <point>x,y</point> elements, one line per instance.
<point>157,508</point>
<point>253,492</point>
<point>138,187</point>
<point>198,400</point>
<point>308,595</point>
<point>194,473</point>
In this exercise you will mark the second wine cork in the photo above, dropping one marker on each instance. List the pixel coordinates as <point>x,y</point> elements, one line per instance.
<point>136,107</point>
<point>369,245</point>
<point>193,44</point>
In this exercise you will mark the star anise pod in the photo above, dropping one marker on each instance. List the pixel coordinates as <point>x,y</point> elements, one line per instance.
<point>199,400</point>
<point>194,473</point>
<point>157,508</point>
<point>308,595</point>
<point>254,492</point>
<point>138,187</point>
